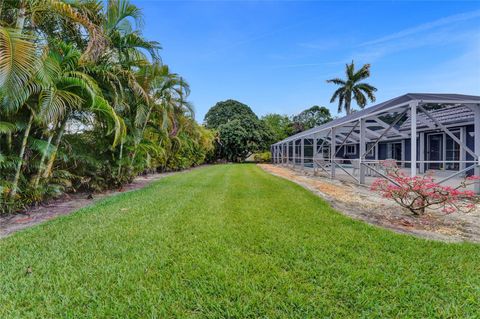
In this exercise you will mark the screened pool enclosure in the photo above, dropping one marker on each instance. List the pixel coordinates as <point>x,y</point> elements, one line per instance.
<point>420,132</point>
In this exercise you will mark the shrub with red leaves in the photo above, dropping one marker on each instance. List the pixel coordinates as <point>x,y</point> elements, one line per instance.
<point>419,192</point>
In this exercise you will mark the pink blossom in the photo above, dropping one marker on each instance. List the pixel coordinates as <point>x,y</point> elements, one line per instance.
<point>419,192</point>
<point>473,178</point>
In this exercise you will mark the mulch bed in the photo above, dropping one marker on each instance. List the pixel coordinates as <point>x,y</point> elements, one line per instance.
<point>360,203</point>
<point>65,205</point>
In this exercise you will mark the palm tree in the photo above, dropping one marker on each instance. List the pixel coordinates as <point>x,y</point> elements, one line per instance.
<point>77,78</point>
<point>68,89</point>
<point>164,89</point>
<point>18,62</point>
<point>352,88</point>
<point>32,13</point>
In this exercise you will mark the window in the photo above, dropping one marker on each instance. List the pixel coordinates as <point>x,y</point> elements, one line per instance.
<point>394,151</point>
<point>351,149</point>
<point>325,151</point>
<point>371,153</point>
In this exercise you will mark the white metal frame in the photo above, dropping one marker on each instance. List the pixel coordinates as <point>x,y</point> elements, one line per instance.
<point>368,127</point>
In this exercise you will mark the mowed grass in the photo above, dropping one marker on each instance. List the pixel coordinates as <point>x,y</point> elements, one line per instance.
<point>230,241</point>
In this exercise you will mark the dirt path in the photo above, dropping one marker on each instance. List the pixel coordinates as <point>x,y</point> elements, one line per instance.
<point>360,203</point>
<point>67,204</point>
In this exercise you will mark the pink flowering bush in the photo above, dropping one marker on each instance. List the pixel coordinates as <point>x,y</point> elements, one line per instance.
<point>419,192</point>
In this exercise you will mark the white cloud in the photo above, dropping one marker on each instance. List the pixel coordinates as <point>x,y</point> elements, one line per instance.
<point>301,65</point>
<point>425,27</point>
<point>439,38</point>
<point>458,75</point>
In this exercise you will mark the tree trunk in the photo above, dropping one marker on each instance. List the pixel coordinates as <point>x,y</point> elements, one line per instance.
<point>141,137</point>
<point>51,160</point>
<point>9,141</point>
<point>42,163</point>
<point>348,103</point>
<point>120,158</point>
<point>20,23</point>
<point>22,153</point>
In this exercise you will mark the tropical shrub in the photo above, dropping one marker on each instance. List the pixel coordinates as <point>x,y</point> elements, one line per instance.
<point>421,192</point>
<point>263,157</point>
<point>85,101</point>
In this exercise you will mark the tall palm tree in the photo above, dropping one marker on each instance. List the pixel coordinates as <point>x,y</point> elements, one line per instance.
<point>78,79</point>
<point>68,89</point>
<point>164,90</point>
<point>352,88</point>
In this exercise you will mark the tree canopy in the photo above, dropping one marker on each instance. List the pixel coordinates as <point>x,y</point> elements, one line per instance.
<point>225,111</point>
<point>280,125</point>
<point>311,117</point>
<point>283,126</point>
<point>240,132</point>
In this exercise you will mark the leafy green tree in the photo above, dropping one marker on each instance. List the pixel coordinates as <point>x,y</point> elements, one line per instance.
<point>225,111</point>
<point>280,125</point>
<point>241,133</point>
<point>309,118</point>
<point>234,141</point>
<point>352,88</point>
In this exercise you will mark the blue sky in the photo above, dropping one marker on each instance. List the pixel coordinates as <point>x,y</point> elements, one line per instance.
<point>276,55</point>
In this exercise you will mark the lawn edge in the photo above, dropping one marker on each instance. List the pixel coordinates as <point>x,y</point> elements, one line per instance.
<point>7,223</point>
<point>422,235</point>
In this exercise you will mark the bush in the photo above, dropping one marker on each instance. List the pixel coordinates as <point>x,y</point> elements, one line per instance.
<point>421,192</point>
<point>264,157</point>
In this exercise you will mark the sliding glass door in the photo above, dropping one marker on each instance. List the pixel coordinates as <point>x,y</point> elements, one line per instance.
<point>435,150</point>
<point>452,152</point>
<point>441,148</point>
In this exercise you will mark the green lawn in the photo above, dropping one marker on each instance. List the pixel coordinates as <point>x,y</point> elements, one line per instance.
<point>230,241</point>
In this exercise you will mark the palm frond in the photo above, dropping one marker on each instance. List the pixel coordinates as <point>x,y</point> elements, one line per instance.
<point>361,74</point>
<point>19,60</point>
<point>119,11</point>
<point>336,94</point>
<point>341,99</point>
<point>54,103</point>
<point>350,70</point>
<point>96,40</point>
<point>368,90</point>
<point>337,81</point>
<point>359,97</point>
<point>116,124</point>
<point>7,127</point>
<point>43,147</point>
<point>135,41</point>
<point>141,115</point>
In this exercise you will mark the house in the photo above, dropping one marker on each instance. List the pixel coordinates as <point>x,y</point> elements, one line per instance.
<point>421,131</point>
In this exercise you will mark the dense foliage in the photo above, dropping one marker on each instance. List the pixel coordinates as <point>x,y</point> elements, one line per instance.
<point>85,101</point>
<point>263,157</point>
<point>284,126</point>
<point>240,132</point>
<point>225,111</point>
<point>280,125</point>
<point>309,118</point>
